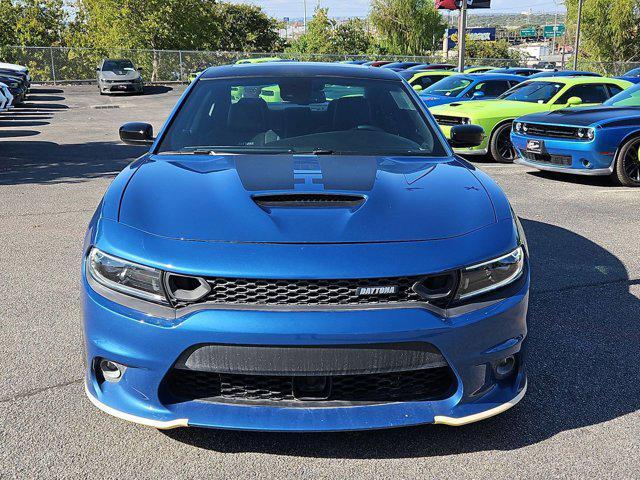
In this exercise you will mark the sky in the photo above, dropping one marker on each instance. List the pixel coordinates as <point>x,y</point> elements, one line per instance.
<point>353,8</point>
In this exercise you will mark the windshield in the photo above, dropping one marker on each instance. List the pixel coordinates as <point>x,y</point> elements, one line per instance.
<point>315,115</point>
<point>533,92</point>
<point>450,86</point>
<point>626,98</point>
<point>117,65</point>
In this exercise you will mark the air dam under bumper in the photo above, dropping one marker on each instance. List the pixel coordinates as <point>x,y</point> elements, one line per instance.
<point>470,344</point>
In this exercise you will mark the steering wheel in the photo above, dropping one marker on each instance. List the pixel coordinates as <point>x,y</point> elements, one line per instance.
<point>368,128</point>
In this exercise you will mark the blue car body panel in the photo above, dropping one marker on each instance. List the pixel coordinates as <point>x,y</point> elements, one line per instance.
<point>565,73</point>
<point>196,215</point>
<point>613,125</point>
<point>432,100</point>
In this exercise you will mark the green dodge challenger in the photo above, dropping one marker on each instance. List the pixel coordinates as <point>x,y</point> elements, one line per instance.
<point>533,96</point>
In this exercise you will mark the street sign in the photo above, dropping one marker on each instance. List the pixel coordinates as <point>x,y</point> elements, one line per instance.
<point>551,31</point>
<point>528,32</point>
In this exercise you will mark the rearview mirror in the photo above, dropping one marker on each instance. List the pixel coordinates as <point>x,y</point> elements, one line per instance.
<point>478,94</point>
<point>465,136</point>
<point>136,133</point>
<point>417,88</point>
<point>574,101</point>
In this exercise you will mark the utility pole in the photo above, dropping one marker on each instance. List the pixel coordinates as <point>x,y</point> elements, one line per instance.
<point>305,15</point>
<point>555,27</point>
<point>576,48</point>
<point>462,30</point>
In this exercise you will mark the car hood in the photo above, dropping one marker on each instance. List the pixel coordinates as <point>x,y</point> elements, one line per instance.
<point>120,75</point>
<point>489,109</point>
<point>584,116</point>
<point>217,198</point>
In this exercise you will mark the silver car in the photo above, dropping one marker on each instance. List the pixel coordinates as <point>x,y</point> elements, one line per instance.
<point>119,75</point>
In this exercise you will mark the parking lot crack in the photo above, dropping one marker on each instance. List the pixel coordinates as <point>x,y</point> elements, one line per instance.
<point>36,391</point>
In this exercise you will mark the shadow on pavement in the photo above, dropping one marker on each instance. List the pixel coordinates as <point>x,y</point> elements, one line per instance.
<point>49,162</point>
<point>16,133</point>
<point>583,357</point>
<point>602,181</point>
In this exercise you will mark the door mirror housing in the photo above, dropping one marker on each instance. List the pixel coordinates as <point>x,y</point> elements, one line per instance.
<point>139,69</point>
<point>136,133</point>
<point>417,88</point>
<point>465,136</point>
<point>478,94</point>
<point>574,101</point>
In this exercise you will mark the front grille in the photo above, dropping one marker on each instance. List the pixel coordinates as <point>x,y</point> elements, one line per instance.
<point>449,121</point>
<point>415,385</point>
<point>553,131</point>
<point>562,160</point>
<point>251,291</point>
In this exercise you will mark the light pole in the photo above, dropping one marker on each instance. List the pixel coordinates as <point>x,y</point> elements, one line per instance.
<point>576,48</point>
<point>462,29</point>
<point>305,15</point>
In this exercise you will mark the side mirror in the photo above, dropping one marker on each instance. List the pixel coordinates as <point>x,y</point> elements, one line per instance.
<point>136,133</point>
<point>465,136</point>
<point>478,94</point>
<point>139,69</point>
<point>574,101</point>
<point>97,69</point>
<point>417,88</point>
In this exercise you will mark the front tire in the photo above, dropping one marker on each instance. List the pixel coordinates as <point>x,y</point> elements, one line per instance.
<point>627,170</point>
<point>500,146</point>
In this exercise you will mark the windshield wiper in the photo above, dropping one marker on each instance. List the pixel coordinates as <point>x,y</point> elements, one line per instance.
<point>316,151</point>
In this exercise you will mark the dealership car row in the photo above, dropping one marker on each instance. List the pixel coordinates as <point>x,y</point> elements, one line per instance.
<point>564,121</point>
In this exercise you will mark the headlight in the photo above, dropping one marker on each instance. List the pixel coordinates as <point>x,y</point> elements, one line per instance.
<point>491,275</point>
<point>518,126</point>
<point>466,121</point>
<point>126,277</point>
<point>591,133</point>
<point>581,132</point>
<point>524,127</point>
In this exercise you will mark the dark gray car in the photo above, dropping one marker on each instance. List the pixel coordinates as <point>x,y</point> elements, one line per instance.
<point>118,75</point>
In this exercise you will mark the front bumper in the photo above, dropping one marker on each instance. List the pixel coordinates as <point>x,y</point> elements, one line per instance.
<point>570,156</point>
<point>470,342</point>
<point>107,87</point>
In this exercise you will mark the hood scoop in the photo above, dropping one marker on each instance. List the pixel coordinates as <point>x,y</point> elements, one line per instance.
<point>309,200</point>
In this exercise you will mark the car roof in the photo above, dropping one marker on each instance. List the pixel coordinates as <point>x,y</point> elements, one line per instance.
<point>575,80</point>
<point>301,69</point>
<point>494,76</point>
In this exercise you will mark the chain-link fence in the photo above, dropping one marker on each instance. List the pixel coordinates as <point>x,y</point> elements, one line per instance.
<point>64,64</point>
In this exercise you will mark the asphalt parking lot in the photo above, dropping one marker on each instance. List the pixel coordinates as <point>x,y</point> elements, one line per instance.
<point>581,415</point>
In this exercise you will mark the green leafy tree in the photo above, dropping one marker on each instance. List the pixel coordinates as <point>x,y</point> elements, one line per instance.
<point>610,30</point>
<point>326,36</point>
<point>498,49</point>
<point>353,37</point>
<point>407,27</point>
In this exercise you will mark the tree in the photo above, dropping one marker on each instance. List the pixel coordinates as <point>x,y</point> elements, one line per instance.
<point>610,30</point>
<point>326,36</point>
<point>109,25</point>
<point>407,27</point>
<point>490,49</point>
<point>353,37</point>
<point>246,28</point>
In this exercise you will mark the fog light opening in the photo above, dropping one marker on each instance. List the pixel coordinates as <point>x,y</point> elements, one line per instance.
<point>586,163</point>
<point>111,371</point>
<point>505,367</point>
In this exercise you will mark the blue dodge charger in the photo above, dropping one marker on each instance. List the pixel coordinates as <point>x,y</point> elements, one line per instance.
<point>601,140</point>
<point>300,250</point>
